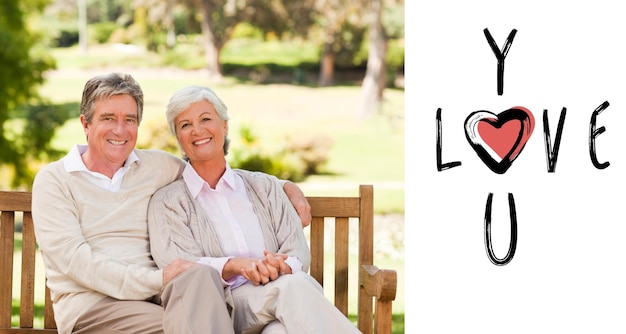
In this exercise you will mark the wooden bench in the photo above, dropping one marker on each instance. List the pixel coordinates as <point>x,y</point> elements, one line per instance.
<point>11,205</point>
<point>376,287</point>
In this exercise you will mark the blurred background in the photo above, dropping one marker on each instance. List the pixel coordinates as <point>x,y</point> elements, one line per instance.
<point>315,88</point>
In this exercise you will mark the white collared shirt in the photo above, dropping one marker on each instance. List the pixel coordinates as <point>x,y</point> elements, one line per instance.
<point>73,162</point>
<point>231,211</point>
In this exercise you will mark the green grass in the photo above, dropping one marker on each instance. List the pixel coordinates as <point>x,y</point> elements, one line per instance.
<point>251,52</point>
<point>102,56</point>
<point>37,316</point>
<point>239,53</point>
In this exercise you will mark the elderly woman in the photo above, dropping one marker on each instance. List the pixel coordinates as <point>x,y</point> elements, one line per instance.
<point>241,224</point>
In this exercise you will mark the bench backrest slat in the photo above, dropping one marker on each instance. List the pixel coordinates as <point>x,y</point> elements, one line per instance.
<point>342,248</point>
<point>13,205</point>
<point>6,266</point>
<point>343,211</point>
<point>27,291</point>
<point>16,201</point>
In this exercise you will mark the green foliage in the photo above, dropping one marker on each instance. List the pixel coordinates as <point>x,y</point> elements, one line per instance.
<point>186,20</point>
<point>61,33</point>
<point>254,58</point>
<point>248,154</point>
<point>185,56</point>
<point>395,55</point>
<point>156,135</point>
<point>397,325</point>
<point>23,63</point>
<point>249,51</point>
<point>394,58</point>
<point>295,160</point>
<point>245,30</point>
<point>109,11</point>
<point>280,17</point>
<point>347,46</point>
<point>393,21</point>
<point>101,32</point>
<point>31,129</point>
<point>67,37</point>
<point>313,151</point>
<point>43,120</point>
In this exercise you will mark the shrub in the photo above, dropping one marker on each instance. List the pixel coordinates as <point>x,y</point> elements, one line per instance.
<point>67,38</point>
<point>395,55</point>
<point>249,154</point>
<point>311,151</point>
<point>156,135</point>
<point>119,35</point>
<point>101,32</point>
<point>299,158</point>
<point>246,30</point>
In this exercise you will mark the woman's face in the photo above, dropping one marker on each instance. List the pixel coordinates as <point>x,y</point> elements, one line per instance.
<point>201,132</point>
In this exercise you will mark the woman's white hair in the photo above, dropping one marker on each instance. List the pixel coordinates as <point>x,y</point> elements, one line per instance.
<point>183,98</point>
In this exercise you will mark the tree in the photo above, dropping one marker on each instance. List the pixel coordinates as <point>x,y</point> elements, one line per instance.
<point>82,26</point>
<point>218,19</point>
<point>155,17</point>
<point>23,63</point>
<point>374,82</point>
<point>341,24</point>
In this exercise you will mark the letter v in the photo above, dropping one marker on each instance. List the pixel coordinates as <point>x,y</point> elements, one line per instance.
<point>552,153</point>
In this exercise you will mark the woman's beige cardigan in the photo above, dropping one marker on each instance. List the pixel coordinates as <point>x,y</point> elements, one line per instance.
<point>180,228</point>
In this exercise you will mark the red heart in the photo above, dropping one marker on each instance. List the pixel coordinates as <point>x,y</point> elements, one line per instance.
<point>502,139</point>
<point>499,139</point>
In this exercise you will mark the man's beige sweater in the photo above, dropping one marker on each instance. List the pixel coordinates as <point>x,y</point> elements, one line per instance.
<point>95,242</point>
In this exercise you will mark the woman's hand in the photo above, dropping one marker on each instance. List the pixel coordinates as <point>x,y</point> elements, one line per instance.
<point>264,270</point>
<point>277,261</point>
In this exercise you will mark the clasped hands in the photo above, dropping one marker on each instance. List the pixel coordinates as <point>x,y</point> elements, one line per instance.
<point>263,270</point>
<point>257,271</point>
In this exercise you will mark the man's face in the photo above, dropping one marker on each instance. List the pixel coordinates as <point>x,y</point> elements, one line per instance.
<point>112,133</point>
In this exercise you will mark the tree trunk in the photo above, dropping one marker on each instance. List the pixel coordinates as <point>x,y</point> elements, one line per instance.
<point>169,25</point>
<point>82,26</point>
<point>374,82</point>
<point>327,68</point>
<point>211,49</point>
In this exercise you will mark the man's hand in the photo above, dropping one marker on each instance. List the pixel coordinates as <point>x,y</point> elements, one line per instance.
<point>299,202</point>
<point>174,269</point>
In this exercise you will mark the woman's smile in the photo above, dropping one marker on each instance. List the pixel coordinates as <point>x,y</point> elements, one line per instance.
<point>202,141</point>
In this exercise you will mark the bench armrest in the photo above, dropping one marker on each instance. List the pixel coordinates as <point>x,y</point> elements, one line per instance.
<point>381,285</point>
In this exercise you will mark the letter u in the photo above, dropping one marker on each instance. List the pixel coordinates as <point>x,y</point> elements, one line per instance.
<point>512,242</point>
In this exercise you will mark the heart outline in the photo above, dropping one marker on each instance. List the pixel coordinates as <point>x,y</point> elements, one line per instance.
<point>493,157</point>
